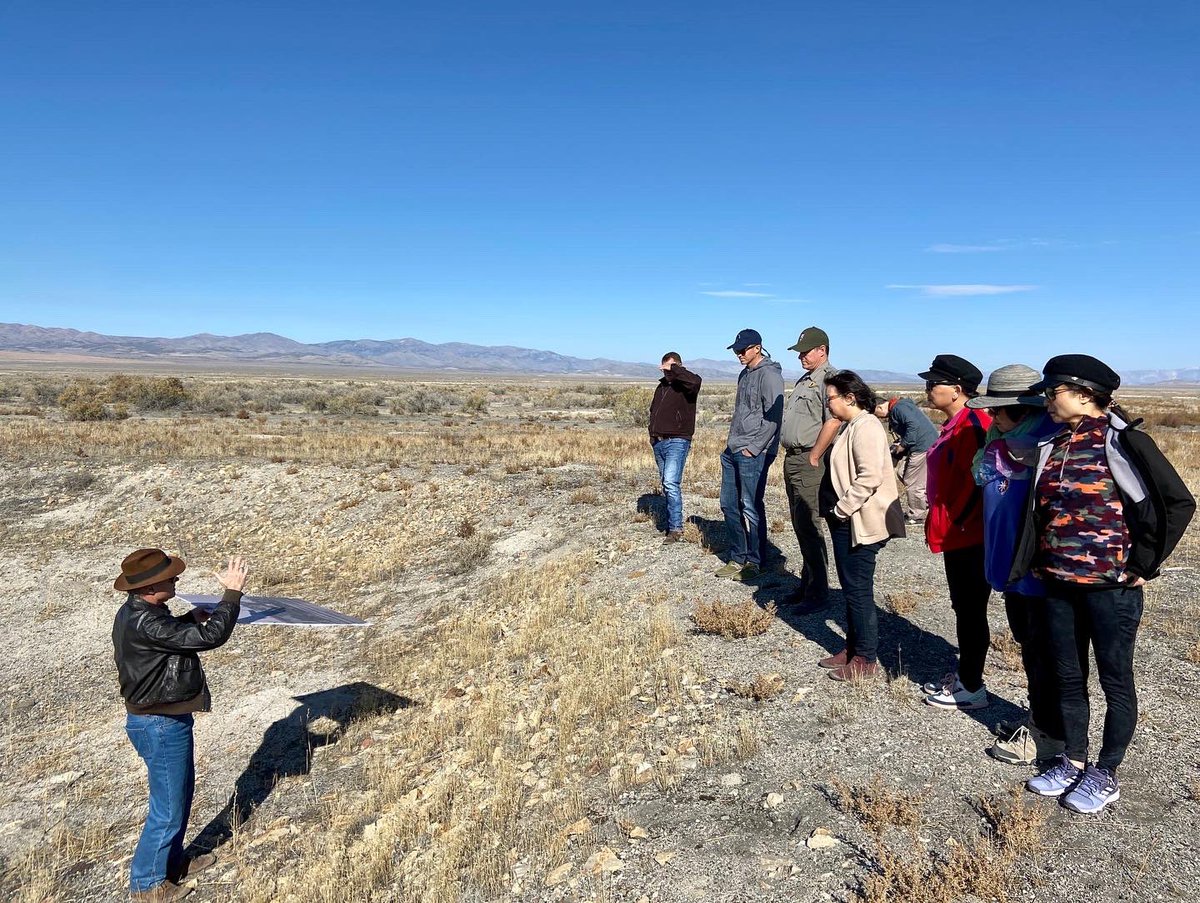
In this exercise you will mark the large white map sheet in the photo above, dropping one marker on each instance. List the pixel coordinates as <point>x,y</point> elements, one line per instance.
<point>277,610</point>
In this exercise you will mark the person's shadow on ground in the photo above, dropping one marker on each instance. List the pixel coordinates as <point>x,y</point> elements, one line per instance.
<point>654,505</point>
<point>905,648</point>
<point>286,750</point>
<point>715,540</point>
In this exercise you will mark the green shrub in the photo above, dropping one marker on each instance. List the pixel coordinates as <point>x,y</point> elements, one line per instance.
<point>632,406</point>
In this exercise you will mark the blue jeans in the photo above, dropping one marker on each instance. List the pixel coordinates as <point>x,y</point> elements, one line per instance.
<point>856,571</point>
<point>165,744</point>
<point>743,485</point>
<point>670,455</point>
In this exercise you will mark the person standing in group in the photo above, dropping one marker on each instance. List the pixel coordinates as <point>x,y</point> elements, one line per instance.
<point>954,525</point>
<point>1003,469</point>
<point>672,425</point>
<point>914,433</point>
<point>163,684</point>
<point>1106,510</point>
<point>808,431</point>
<point>864,515</point>
<point>752,445</point>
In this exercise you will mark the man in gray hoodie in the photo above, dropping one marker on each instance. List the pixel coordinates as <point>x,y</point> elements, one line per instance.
<point>752,446</point>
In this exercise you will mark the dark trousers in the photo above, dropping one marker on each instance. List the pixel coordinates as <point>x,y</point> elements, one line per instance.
<point>743,487</point>
<point>969,593</point>
<point>1028,621</point>
<point>803,482</point>
<point>1107,620</point>
<point>856,572</point>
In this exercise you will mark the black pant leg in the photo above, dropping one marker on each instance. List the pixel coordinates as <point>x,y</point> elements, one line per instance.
<point>969,592</point>
<point>1115,616</point>
<point>1069,639</point>
<point>1027,618</point>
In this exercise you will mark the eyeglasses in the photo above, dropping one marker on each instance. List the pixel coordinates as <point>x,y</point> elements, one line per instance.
<point>1053,391</point>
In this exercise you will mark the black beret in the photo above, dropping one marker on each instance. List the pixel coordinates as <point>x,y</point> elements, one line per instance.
<point>1078,370</point>
<point>954,369</point>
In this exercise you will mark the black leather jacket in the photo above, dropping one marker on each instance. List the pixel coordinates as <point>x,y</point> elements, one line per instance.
<point>156,651</point>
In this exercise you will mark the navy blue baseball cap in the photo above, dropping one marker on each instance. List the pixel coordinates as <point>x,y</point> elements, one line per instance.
<point>745,339</point>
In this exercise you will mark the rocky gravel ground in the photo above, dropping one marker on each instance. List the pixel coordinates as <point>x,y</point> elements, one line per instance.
<point>403,545</point>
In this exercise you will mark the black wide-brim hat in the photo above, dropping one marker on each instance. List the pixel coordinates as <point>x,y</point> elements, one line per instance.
<point>1078,370</point>
<point>147,566</point>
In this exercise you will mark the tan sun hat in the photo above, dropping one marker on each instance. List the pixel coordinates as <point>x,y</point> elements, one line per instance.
<point>147,566</point>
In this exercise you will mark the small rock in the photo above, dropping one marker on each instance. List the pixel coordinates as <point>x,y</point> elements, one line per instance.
<point>733,779</point>
<point>603,860</point>
<point>580,827</point>
<point>559,875</point>
<point>665,856</point>
<point>821,839</point>
<point>772,800</point>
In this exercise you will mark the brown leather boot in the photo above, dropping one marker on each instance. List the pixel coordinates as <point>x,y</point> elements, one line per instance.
<point>837,660</point>
<point>858,668</point>
<point>165,892</point>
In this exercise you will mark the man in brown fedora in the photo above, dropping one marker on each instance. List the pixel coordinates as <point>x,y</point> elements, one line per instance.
<point>163,684</point>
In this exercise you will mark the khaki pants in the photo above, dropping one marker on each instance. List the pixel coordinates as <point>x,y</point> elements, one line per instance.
<point>911,471</point>
<point>803,483</point>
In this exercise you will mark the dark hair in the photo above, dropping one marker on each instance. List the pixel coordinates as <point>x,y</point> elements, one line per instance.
<point>1016,412</point>
<point>672,356</point>
<point>1102,399</point>
<point>847,382</point>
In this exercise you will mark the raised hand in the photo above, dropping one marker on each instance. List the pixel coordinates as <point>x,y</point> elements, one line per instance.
<point>234,575</point>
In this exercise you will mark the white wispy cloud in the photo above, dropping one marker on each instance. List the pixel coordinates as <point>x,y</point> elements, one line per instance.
<point>965,290</point>
<point>736,294</point>
<point>947,248</point>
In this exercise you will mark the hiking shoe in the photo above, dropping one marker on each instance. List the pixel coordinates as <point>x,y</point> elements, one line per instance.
<point>858,668</point>
<point>164,892</point>
<point>733,569</point>
<point>194,865</point>
<point>1096,789</point>
<point>833,662</point>
<point>1056,780</point>
<point>936,686</point>
<point>1018,748</point>
<point>1005,729</point>
<point>673,536</point>
<point>750,572</point>
<point>956,696</point>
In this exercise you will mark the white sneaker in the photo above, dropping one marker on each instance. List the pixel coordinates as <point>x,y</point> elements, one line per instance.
<point>956,696</point>
<point>936,686</point>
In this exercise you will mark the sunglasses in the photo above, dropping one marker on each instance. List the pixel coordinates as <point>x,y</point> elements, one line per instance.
<point>930,383</point>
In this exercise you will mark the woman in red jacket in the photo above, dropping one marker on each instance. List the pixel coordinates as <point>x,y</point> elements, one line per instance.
<point>954,525</point>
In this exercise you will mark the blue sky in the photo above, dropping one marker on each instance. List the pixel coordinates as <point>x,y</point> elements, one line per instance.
<point>1003,181</point>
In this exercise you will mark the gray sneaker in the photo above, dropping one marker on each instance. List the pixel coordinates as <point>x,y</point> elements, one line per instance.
<point>1056,780</point>
<point>1096,789</point>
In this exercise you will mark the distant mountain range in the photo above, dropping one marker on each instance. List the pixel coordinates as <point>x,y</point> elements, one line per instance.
<point>266,349</point>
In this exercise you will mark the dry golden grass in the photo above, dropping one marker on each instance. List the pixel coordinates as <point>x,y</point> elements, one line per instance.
<point>545,689</point>
<point>733,620</point>
<point>1009,649</point>
<point>983,867</point>
<point>762,687</point>
<point>878,806</point>
<point>901,603</point>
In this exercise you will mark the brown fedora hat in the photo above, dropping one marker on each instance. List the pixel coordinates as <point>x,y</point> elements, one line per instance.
<point>147,566</point>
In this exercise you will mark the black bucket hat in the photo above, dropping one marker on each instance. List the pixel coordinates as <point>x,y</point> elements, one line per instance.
<point>1078,370</point>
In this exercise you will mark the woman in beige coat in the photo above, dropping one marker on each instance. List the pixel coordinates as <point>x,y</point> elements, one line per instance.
<point>862,508</point>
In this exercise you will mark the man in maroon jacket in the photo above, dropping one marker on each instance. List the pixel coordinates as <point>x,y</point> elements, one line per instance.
<point>672,425</point>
